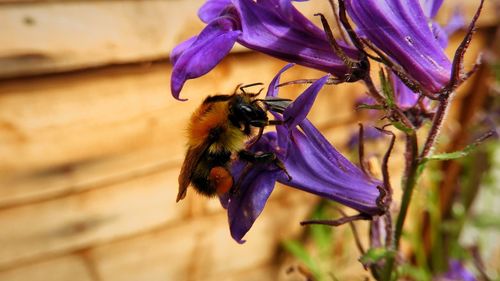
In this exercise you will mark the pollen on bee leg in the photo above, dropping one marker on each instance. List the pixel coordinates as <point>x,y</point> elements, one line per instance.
<point>222,179</point>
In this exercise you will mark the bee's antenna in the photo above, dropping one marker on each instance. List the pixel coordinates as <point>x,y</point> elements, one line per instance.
<point>242,88</point>
<point>238,87</point>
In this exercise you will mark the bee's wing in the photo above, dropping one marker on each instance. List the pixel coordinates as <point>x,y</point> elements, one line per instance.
<point>192,159</point>
<point>277,104</point>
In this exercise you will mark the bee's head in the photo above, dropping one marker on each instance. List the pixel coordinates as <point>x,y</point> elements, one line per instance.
<point>245,111</point>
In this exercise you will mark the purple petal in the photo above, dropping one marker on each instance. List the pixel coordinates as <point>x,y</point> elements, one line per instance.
<point>288,13</point>
<point>439,34</point>
<point>181,48</point>
<point>272,90</point>
<point>282,133</point>
<point>456,272</point>
<point>431,7</point>
<point>405,97</point>
<point>278,29</point>
<point>442,34</point>
<point>209,48</point>
<point>455,23</point>
<point>316,167</point>
<point>297,111</point>
<point>248,202</point>
<point>212,9</point>
<point>400,29</point>
<point>244,209</point>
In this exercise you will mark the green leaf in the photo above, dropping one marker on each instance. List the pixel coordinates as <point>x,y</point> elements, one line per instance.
<point>400,126</point>
<point>447,156</point>
<point>370,106</point>
<point>321,234</point>
<point>453,155</point>
<point>486,221</point>
<point>460,153</point>
<point>374,255</point>
<point>300,252</point>
<point>387,88</point>
<point>322,238</point>
<point>416,273</point>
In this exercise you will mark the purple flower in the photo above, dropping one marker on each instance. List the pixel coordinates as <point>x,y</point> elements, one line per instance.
<point>401,29</point>
<point>311,161</point>
<point>273,27</point>
<point>456,272</point>
<point>405,97</point>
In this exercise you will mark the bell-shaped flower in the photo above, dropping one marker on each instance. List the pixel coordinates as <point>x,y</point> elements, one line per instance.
<point>405,97</point>
<point>402,30</point>
<point>456,272</point>
<point>312,164</point>
<point>273,27</point>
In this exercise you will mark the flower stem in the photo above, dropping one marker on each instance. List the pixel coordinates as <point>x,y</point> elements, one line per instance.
<point>410,180</point>
<point>413,160</point>
<point>437,123</point>
<point>408,185</point>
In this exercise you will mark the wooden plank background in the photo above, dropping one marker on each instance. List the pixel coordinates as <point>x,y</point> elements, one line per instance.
<point>91,142</point>
<point>54,36</point>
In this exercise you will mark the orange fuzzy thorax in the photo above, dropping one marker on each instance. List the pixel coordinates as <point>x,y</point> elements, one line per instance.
<point>205,118</point>
<point>209,116</point>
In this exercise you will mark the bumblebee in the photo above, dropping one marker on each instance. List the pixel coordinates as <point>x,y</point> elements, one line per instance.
<point>217,134</point>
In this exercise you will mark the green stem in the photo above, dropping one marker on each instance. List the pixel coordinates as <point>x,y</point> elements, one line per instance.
<point>408,186</point>
<point>411,176</point>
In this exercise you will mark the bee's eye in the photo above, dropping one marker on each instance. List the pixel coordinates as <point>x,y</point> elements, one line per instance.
<point>246,108</point>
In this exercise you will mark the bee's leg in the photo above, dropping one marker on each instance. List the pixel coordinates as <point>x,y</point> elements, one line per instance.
<point>263,158</point>
<point>264,123</point>
<point>275,122</point>
<point>256,138</point>
<point>254,159</point>
<point>236,187</point>
<point>261,124</point>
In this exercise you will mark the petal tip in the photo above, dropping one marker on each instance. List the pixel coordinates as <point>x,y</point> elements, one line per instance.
<point>176,93</point>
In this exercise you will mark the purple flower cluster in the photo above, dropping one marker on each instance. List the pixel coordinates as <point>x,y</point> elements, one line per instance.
<point>273,27</point>
<point>403,30</point>
<point>312,163</point>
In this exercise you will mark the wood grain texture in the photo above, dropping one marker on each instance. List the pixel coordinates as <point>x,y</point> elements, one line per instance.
<point>84,219</point>
<point>196,249</point>
<point>64,133</point>
<point>53,36</point>
<point>70,267</point>
<point>56,36</point>
<point>201,248</point>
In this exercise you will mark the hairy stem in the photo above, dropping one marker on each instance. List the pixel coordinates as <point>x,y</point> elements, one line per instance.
<point>437,123</point>
<point>408,186</point>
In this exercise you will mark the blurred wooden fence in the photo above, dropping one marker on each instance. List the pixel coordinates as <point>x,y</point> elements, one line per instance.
<point>91,142</point>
